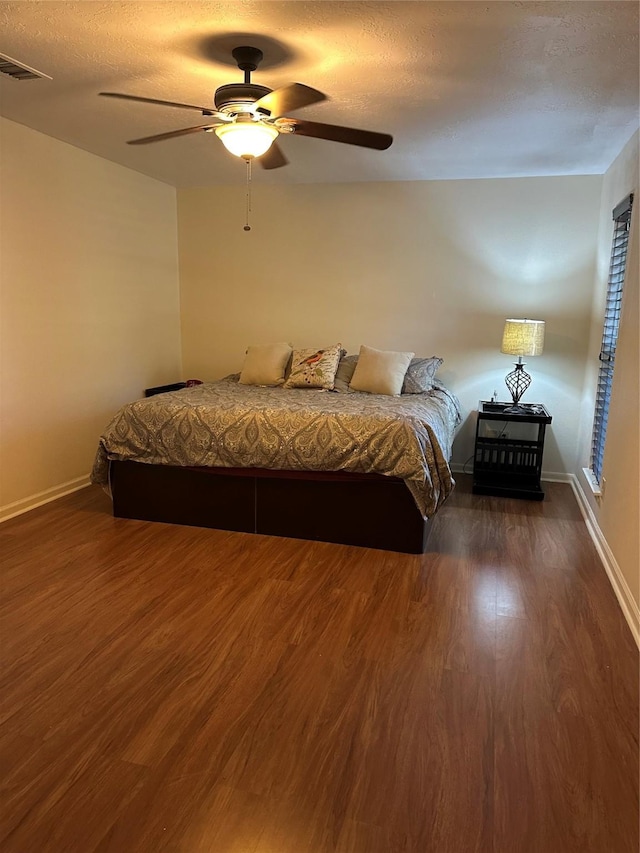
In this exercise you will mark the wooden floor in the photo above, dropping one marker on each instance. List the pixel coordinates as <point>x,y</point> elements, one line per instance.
<point>180,689</point>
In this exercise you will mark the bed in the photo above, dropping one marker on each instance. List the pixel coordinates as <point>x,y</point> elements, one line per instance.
<point>356,468</point>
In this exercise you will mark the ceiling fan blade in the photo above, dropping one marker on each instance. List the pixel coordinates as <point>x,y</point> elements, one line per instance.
<point>204,110</point>
<point>274,158</point>
<point>289,98</point>
<point>337,133</point>
<point>170,135</point>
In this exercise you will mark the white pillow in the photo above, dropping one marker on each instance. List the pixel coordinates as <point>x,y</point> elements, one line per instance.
<point>380,371</point>
<point>266,364</point>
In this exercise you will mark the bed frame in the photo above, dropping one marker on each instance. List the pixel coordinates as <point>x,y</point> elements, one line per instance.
<point>352,509</point>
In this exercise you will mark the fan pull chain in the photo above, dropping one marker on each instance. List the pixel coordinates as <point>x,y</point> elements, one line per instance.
<point>247,227</point>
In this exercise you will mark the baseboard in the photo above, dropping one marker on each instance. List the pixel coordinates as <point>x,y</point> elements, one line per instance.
<point>18,507</point>
<point>555,477</point>
<point>461,467</point>
<point>620,586</point>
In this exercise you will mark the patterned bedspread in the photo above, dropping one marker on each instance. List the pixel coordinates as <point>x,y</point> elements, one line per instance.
<point>239,426</point>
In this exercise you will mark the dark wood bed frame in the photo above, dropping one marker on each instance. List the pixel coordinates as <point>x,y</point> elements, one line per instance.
<point>352,509</point>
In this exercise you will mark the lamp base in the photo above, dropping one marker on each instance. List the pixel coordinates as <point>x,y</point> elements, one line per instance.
<point>517,410</point>
<point>517,382</point>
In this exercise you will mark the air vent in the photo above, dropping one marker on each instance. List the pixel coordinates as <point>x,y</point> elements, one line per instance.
<point>18,70</point>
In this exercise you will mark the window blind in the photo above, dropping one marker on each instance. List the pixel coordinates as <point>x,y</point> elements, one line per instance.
<point>617,267</point>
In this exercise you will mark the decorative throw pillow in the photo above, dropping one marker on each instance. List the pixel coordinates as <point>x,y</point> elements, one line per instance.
<point>345,373</point>
<point>266,364</point>
<point>311,368</point>
<point>380,371</point>
<point>420,375</point>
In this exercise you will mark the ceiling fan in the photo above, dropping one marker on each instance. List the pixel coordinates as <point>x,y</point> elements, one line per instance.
<point>249,118</point>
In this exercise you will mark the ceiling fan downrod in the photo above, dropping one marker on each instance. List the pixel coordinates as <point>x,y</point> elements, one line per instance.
<point>247,59</point>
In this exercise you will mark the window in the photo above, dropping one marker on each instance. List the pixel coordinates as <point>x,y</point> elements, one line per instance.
<point>621,223</point>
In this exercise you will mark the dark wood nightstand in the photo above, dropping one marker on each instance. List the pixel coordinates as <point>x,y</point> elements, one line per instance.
<point>508,450</point>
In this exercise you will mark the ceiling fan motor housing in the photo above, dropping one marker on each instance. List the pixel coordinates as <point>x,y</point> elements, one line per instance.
<point>238,97</point>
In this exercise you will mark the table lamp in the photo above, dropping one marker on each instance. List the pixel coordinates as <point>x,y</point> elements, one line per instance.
<point>521,337</point>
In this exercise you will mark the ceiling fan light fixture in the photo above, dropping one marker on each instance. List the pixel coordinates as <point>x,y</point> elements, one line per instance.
<point>247,139</point>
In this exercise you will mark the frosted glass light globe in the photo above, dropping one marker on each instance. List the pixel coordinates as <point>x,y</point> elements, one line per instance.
<point>247,138</point>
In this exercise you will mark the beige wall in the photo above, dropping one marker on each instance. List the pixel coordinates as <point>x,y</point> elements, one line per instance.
<point>617,512</point>
<point>89,305</point>
<point>435,267</point>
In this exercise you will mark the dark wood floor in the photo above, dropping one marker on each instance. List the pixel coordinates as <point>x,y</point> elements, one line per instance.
<point>179,689</point>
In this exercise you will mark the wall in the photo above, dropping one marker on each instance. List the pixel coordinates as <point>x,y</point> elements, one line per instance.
<point>435,267</point>
<point>616,514</point>
<point>89,306</point>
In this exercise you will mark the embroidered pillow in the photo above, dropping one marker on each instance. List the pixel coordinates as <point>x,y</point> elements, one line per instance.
<point>380,371</point>
<point>420,375</point>
<point>265,365</point>
<point>311,368</point>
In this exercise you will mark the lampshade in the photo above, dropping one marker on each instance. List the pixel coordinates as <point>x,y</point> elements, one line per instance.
<point>247,138</point>
<point>523,337</point>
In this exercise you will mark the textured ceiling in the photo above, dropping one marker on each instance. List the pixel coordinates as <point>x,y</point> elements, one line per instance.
<point>468,89</point>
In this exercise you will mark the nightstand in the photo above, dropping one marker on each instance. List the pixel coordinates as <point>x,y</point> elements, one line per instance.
<point>508,450</point>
